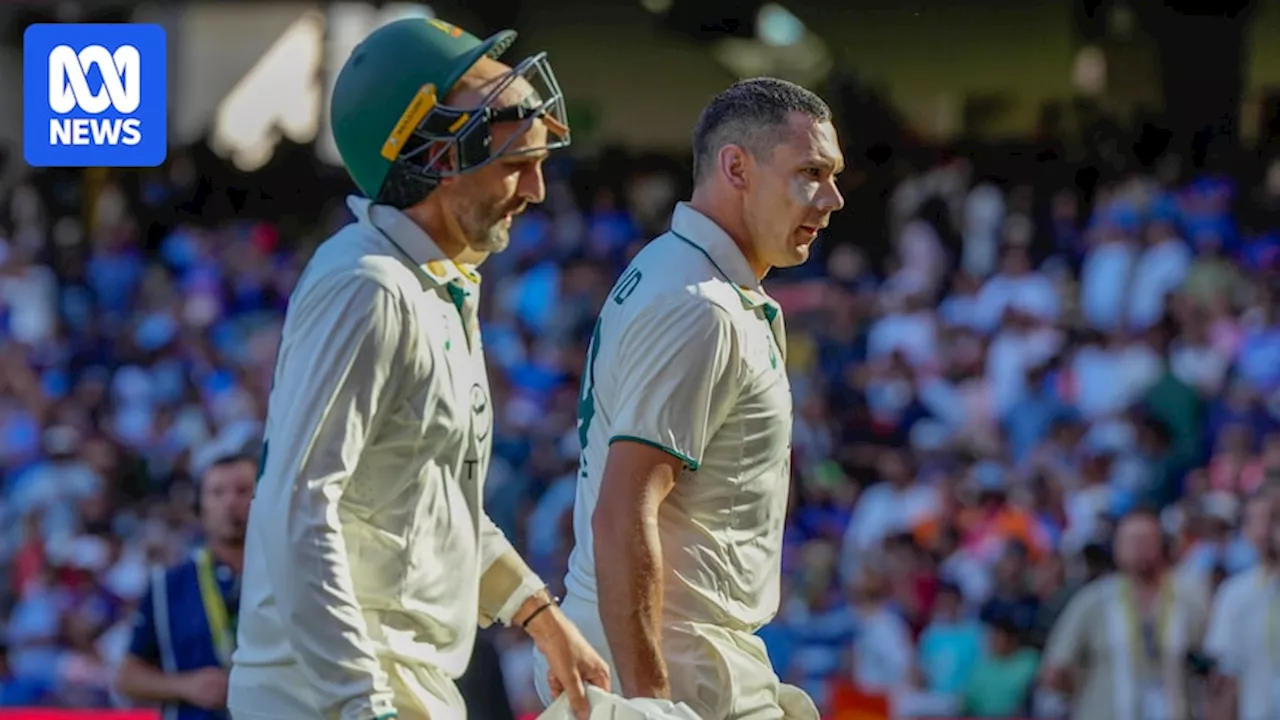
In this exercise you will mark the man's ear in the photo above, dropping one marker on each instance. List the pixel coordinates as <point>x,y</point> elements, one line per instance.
<point>735,165</point>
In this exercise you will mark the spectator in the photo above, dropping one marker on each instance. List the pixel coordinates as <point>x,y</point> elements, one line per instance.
<point>185,628</point>
<point>1119,649</point>
<point>1160,269</point>
<point>1242,634</point>
<point>1011,598</point>
<point>1000,683</point>
<point>951,644</point>
<point>890,507</point>
<point>881,660</point>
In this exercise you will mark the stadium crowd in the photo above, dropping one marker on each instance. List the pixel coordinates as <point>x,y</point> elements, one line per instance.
<point>973,408</point>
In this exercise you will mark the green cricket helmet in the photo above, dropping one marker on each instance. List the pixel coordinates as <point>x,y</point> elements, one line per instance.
<point>396,136</point>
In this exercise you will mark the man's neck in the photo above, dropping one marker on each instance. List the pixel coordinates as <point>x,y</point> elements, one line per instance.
<point>705,202</point>
<point>228,553</point>
<point>440,225</point>
<point>1147,584</point>
<point>1003,653</point>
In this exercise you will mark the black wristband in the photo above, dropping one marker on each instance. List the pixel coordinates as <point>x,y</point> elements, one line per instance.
<point>553,601</point>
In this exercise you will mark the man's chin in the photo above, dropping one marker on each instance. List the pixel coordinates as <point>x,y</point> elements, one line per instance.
<point>799,255</point>
<point>494,241</point>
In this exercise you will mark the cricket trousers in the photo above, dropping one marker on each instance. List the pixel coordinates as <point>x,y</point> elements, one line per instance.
<point>281,692</point>
<point>720,673</point>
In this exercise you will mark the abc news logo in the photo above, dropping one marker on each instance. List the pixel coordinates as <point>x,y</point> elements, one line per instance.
<point>69,90</point>
<point>95,95</point>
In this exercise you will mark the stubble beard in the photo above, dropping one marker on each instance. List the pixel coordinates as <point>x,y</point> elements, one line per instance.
<point>493,240</point>
<point>485,233</point>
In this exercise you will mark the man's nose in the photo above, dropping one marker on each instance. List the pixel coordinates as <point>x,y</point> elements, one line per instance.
<point>532,188</point>
<point>830,200</point>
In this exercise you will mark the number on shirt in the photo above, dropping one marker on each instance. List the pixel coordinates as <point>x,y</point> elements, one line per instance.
<point>587,395</point>
<point>627,285</point>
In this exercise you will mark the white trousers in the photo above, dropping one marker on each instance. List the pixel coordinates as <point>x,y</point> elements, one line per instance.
<point>721,674</point>
<point>283,693</point>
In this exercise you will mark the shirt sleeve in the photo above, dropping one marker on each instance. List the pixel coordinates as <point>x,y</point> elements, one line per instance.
<point>505,581</point>
<point>1065,648</point>
<point>1218,641</point>
<point>343,347</point>
<point>676,370</point>
<point>143,642</point>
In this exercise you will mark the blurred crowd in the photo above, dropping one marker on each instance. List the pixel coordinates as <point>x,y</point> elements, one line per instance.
<point>974,409</point>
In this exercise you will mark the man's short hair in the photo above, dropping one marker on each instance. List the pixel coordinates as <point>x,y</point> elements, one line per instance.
<point>220,454</point>
<point>753,114</point>
<point>251,453</point>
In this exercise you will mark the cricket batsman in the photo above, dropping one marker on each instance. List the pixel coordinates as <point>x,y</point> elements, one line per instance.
<point>370,561</point>
<point>685,418</point>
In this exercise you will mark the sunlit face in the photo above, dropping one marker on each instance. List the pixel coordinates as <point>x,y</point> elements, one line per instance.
<point>226,491</point>
<point>485,201</point>
<point>792,193</point>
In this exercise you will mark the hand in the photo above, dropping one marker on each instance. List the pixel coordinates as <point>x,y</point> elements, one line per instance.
<point>571,658</point>
<point>205,688</point>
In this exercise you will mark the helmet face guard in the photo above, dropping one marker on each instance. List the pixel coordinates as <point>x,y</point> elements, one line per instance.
<point>433,141</point>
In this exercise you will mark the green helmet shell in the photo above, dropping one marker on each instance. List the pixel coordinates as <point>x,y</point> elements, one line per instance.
<point>382,77</point>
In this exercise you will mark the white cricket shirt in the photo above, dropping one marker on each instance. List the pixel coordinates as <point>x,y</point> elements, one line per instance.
<point>688,355</point>
<point>367,538</point>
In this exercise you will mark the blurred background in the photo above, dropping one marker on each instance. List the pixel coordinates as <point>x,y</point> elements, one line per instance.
<point>1053,296</point>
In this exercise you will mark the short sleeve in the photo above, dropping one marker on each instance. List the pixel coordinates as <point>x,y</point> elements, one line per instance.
<point>1066,645</point>
<point>675,368</point>
<point>1218,642</point>
<point>143,643</point>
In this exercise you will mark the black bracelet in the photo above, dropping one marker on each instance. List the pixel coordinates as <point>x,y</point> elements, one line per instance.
<point>525,625</point>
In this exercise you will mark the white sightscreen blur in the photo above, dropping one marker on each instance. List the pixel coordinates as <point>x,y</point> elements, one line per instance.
<point>279,97</point>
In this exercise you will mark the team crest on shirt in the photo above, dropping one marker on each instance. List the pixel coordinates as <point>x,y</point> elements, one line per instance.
<point>481,412</point>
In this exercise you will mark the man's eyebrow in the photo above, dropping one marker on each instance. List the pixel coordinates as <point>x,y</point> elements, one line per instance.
<point>833,166</point>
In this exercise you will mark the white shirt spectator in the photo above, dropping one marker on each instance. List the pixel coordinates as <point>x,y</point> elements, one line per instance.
<point>1159,271</point>
<point>1142,368</point>
<point>924,261</point>
<point>1198,365</point>
<point>883,510</point>
<point>914,334</point>
<point>1009,358</point>
<point>1032,293</point>
<point>32,300</point>
<point>1241,636</point>
<point>1104,282</point>
<point>984,211</point>
<point>882,651</point>
<point>970,573</point>
<point>1108,380</point>
<point>1085,508</point>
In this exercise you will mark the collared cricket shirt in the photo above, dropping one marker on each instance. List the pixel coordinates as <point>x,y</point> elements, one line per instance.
<point>688,355</point>
<point>367,537</point>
